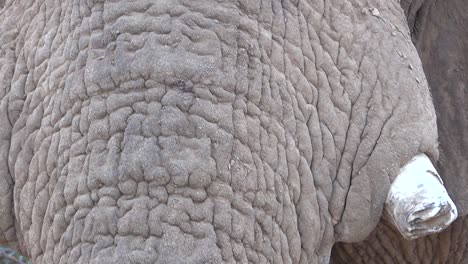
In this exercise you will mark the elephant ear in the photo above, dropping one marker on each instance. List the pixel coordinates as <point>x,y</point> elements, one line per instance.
<point>7,68</point>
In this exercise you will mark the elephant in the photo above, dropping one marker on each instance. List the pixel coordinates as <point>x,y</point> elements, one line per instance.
<point>438,30</point>
<point>163,131</point>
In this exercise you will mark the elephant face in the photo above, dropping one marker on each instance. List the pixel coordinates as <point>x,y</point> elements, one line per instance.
<point>204,131</point>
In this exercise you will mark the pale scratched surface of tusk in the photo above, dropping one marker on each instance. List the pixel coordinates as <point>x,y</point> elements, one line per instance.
<point>418,203</point>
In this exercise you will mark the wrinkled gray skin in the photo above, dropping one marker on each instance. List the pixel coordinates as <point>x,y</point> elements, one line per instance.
<point>203,131</point>
<point>439,30</point>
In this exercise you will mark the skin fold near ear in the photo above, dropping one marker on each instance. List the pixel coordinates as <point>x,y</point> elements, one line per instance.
<point>418,203</point>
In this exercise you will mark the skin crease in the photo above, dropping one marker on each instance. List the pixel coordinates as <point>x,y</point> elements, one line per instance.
<point>439,32</point>
<point>203,131</point>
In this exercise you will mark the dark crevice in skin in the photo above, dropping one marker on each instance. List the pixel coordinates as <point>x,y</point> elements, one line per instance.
<point>419,20</point>
<point>413,10</point>
<point>414,25</point>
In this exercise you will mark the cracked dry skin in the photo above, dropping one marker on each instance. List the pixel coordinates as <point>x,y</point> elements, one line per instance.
<point>203,131</point>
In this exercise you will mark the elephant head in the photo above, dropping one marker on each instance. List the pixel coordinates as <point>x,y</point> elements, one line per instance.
<point>158,131</point>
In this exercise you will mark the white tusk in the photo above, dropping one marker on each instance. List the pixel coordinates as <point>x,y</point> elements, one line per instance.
<point>418,203</point>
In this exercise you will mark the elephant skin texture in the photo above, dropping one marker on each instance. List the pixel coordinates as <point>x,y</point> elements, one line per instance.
<point>203,131</point>
<point>439,30</point>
